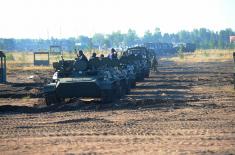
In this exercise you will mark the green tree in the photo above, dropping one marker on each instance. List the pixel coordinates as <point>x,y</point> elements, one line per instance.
<point>85,42</point>
<point>1,44</point>
<point>98,39</point>
<point>157,36</point>
<point>212,43</point>
<point>148,37</point>
<point>116,38</point>
<point>221,44</point>
<point>9,44</point>
<point>107,43</point>
<point>131,38</point>
<point>166,38</point>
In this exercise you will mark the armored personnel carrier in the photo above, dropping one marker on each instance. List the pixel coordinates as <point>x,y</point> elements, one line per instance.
<point>81,79</point>
<point>139,57</point>
<point>185,47</point>
<point>114,67</point>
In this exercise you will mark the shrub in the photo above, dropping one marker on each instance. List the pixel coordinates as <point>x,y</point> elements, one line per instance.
<point>206,54</point>
<point>181,55</point>
<point>10,57</point>
<point>23,57</point>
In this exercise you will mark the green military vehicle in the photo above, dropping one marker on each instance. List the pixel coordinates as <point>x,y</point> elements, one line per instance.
<point>81,79</point>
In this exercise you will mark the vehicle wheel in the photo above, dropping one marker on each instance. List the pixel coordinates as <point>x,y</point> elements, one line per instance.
<point>123,90</point>
<point>118,92</point>
<point>147,74</point>
<point>107,96</point>
<point>60,100</point>
<point>139,78</point>
<point>133,84</point>
<point>142,77</point>
<point>128,87</point>
<point>51,99</point>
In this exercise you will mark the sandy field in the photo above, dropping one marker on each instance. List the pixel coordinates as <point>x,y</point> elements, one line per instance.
<point>185,108</point>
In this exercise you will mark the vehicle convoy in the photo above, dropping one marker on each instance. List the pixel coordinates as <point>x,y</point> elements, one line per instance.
<point>107,79</point>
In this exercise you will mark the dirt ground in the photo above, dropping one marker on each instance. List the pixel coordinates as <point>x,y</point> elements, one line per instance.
<point>186,108</point>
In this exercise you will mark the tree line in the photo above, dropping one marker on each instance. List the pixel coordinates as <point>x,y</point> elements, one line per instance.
<point>203,39</point>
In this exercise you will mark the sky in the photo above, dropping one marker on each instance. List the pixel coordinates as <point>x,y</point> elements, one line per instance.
<point>71,18</point>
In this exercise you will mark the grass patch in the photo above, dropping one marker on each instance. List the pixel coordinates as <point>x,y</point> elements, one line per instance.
<point>207,54</point>
<point>214,89</point>
<point>23,57</point>
<point>204,56</point>
<point>9,57</point>
<point>24,60</point>
<point>181,55</point>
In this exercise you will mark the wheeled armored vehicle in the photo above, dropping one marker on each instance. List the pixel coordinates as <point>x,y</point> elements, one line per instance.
<point>81,79</point>
<point>139,57</point>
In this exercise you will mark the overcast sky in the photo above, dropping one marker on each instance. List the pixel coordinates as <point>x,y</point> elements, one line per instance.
<point>71,18</point>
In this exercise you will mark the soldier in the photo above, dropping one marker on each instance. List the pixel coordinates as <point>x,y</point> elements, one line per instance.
<point>113,54</point>
<point>101,56</point>
<point>154,64</point>
<point>93,56</point>
<point>81,56</point>
<point>93,62</point>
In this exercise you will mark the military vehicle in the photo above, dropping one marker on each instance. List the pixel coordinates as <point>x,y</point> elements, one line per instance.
<point>128,71</point>
<point>115,69</point>
<point>140,58</point>
<point>131,69</point>
<point>161,49</point>
<point>107,79</point>
<point>185,47</point>
<point>81,79</point>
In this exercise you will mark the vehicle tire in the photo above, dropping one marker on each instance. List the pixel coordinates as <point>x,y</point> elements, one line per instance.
<point>147,74</point>
<point>51,98</point>
<point>128,87</point>
<point>133,84</point>
<point>107,96</point>
<point>118,92</point>
<point>139,78</point>
<point>123,90</point>
<point>142,77</point>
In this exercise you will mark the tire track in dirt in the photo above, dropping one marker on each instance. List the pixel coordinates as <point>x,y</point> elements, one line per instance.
<point>178,110</point>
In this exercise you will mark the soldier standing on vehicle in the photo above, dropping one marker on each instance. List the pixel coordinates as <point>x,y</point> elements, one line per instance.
<point>113,54</point>
<point>81,56</point>
<point>101,56</point>
<point>93,56</point>
<point>154,64</point>
<point>93,62</point>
